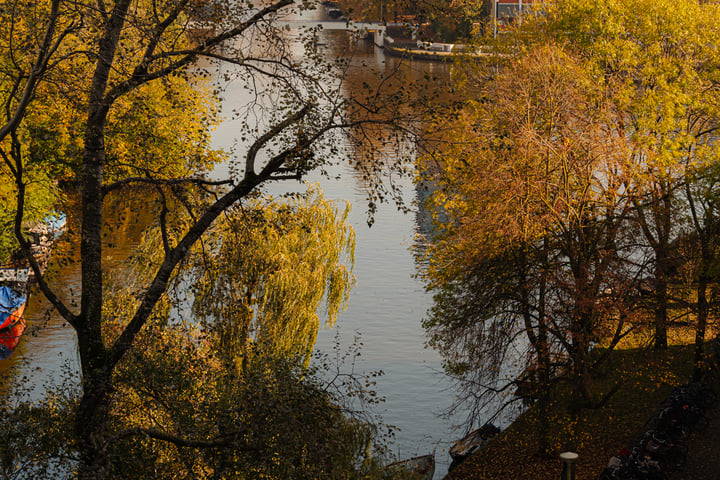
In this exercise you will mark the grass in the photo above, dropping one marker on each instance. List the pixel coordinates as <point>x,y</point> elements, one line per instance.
<point>647,378</point>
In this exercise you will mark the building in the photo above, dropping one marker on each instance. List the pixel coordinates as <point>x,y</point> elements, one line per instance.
<point>506,10</point>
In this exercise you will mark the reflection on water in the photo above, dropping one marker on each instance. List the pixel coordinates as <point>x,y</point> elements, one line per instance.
<point>386,307</point>
<point>388,303</point>
<point>47,354</point>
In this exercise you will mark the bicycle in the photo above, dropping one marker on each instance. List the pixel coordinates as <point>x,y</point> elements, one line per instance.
<point>683,415</point>
<point>659,446</point>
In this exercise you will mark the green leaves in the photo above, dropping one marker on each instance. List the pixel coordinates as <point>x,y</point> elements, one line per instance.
<point>268,271</point>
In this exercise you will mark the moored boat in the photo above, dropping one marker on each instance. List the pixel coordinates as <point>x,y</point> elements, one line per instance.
<point>13,298</point>
<point>423,466</point>
<point>12,306</point>
<point>10,337</point>
<point>472,442</point>
<point>16,276</point>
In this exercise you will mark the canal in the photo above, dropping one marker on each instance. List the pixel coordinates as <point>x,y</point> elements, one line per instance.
<point>385,309</point>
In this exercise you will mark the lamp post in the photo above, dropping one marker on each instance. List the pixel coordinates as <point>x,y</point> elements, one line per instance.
<point>568,469</point>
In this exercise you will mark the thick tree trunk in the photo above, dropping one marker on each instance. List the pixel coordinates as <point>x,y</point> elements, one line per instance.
<point>91,421</point>
<point>582,381</point>
<point>663,213</point>
<point>580,331</point>
<point>91,427</point>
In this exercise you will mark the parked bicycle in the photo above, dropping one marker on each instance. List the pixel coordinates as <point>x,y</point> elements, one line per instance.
<point>679,416</point>
<point>695,393</point>
<point>671,455</point>
<point>661,447</point>
<point>634,465</point>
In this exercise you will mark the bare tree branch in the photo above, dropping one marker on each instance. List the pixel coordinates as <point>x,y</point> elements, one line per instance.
<point>227,440</point>
<point>163,181</point>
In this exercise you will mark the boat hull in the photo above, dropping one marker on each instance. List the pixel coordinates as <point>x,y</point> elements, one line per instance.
<point>13,299</point>
<point>472,442</point>
<point>423,467</point>
<point>10,337</point>
<point>9,319</point>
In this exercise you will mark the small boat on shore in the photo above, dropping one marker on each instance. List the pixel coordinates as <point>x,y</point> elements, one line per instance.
<point>423,466</point>
<point>472,442</point>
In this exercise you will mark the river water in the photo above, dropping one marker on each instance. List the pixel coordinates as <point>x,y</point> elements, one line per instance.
<point>385,309</point>
<point>387,305</point>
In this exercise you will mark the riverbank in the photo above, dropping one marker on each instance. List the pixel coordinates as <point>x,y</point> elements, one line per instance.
<point>416,54</point>
<point>597,434</point>
<point>397,39</point>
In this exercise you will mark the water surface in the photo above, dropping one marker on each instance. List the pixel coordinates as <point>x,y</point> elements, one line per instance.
<point>386,307</point>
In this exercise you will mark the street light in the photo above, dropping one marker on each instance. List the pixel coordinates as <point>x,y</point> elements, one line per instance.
<point>568,469</point>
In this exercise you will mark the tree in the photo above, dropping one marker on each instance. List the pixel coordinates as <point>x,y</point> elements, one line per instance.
<point>159,123</point>
<point>642,100</point>
<point>134,48</point>
<point>662,71</point>
<point>535,220</point>
<point>701,251</point>
<point>269,293</point>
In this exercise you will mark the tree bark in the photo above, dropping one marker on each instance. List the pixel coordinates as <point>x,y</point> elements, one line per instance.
<point>659,239</point>
<point>92,414</point>
<point>661,299</point>
<point>703,307</point>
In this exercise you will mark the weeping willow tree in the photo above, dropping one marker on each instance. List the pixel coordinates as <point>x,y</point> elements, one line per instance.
<point>236,377</point>
<point>270,271</point>
<point>229,392</point>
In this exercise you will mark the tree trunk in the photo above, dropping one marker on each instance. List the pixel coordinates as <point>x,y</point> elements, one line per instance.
<point>91,426</point>
<point>661,298</point>
<point>91,422</point>
<point>659,239</point>
<point>580,330</point>
<point>582,380</point>
<point>702,308</point>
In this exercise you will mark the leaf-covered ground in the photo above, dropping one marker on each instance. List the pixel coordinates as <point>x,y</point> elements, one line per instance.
<point>598,434</point>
